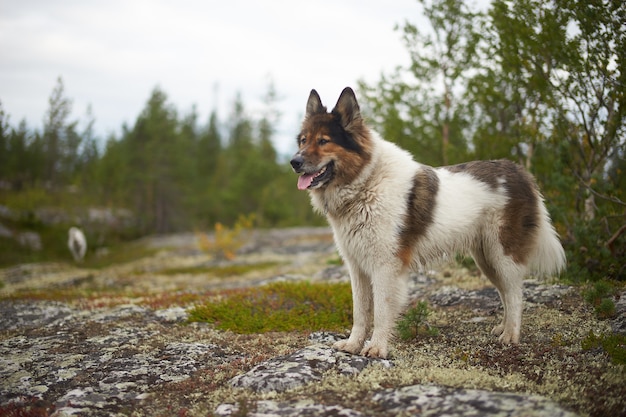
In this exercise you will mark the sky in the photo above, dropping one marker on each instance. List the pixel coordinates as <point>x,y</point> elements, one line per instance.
<point>111,54</point>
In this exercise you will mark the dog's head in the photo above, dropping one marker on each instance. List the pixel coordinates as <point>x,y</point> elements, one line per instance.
<point>332,147</point>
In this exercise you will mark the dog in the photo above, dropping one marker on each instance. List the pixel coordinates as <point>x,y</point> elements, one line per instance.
<point>77,243</point>
<point>390,214</point>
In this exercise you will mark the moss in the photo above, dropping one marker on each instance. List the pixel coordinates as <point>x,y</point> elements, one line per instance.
<point>283,306</point>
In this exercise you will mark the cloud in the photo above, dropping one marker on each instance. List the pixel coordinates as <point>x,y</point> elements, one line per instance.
<point>112,54</point>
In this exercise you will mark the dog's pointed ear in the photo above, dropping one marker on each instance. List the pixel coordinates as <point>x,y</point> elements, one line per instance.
<point>314,104</point>
<point>348,108</point>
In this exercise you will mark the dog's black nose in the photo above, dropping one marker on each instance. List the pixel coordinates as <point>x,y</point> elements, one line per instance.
<point>297,162</point>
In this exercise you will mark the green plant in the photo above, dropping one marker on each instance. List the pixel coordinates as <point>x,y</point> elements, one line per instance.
<point>589,257</point>
<point>465,262</point>
<point>414,323</point>
<point>281,306</point>
<point>599,295</point>
<point>613,344</point>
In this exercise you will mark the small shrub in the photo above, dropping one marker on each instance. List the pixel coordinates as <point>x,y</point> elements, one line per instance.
<point>589,257</point>
<point>599,295</point>
<point>414,323</point>
<point>613,344</point>
<point>281,306</point>
<point>227,240</point>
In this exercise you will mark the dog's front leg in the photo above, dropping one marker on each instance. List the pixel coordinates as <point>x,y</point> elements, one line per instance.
<point>361,310</point>
<point>390,293</point>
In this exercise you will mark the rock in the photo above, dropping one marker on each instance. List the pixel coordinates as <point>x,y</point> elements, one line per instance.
<point>423,400</point>
<point>30,240</point>
<point>482,299</point>
<point>267,408</point>
<point>435,401</point>
<point>488,299</point>
<point>174,314</point>
<point>108,351</point>
<point>92,363</point>
<point>24,315</point>
<point>302,367</point>
<point>618,323</point>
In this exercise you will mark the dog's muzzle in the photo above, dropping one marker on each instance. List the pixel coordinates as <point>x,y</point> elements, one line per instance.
<point>296,163</point>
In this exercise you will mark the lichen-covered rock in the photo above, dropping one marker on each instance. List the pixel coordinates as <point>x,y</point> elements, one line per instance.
<point>487,298</point>
<point>92,362</point>
<point>422,400</point>
<point>114,342</point>
<point>435,401</point>
<point>267,408</point>
<point>302,367</point>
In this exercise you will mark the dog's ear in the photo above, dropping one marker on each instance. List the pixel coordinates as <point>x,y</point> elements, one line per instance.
<point>314,104</point>
<point>348,109</point>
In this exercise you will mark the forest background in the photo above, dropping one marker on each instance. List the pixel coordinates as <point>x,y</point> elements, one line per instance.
<point>541,83</point>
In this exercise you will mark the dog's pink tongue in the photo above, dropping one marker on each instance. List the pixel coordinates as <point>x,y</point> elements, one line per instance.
<point>304,181</point>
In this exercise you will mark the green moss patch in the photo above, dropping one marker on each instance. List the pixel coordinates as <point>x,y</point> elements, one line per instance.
<point>282,306</point>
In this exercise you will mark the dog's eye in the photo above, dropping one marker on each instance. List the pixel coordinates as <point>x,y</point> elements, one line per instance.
<point>302,140</point>
<point>323,141</point>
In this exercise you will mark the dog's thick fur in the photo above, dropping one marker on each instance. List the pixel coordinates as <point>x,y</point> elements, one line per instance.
<point>390,214</point>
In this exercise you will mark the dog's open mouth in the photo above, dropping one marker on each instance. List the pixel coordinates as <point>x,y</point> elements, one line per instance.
<point>310,181</point>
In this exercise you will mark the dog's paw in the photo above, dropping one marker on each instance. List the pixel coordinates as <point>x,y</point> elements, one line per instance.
<point>374,351</point>
<point>498,330</point>
<point>347,346</point>
<point>509,337</point>
<point>506,335</point>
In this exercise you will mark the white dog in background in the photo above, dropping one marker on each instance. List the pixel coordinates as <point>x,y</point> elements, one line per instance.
<point>77,243</point>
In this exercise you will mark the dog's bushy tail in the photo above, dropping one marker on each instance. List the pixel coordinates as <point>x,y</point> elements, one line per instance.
<point>549,256</point>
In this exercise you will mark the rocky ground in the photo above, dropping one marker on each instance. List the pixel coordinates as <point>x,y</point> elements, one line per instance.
<point>115,341</point>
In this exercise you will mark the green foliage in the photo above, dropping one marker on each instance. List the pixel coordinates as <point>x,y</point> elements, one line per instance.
<point>613,344</point>
<point>414,323</point>
<point>282,306</point>
<point>169,171</point>
<point>425,114</point>
<point>540,83</point>
<point>590,259</point>
<point>599,295</point>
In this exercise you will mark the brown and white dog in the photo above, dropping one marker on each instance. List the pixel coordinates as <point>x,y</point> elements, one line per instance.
<point>390,214</point>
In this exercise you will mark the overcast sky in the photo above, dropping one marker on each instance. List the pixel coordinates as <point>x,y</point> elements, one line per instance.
<point>111,54</point>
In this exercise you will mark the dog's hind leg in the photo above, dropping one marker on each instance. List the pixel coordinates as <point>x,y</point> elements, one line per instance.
<point>507,277</point>
<point>362,309</point>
